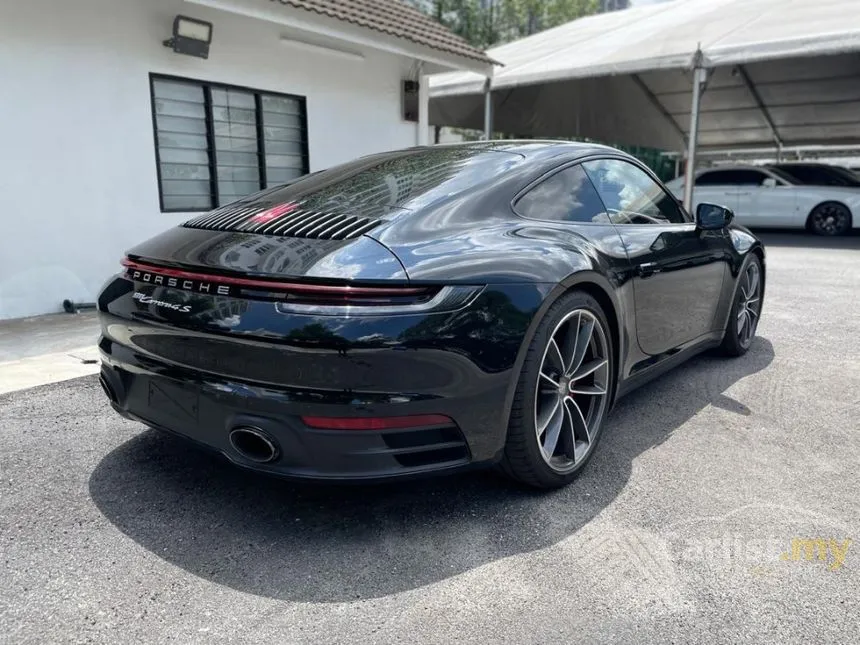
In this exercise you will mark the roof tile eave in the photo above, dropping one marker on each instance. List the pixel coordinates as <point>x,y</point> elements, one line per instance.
<point>394,18</point>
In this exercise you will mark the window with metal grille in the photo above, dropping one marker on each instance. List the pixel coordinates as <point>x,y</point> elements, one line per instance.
<point>216,143</point>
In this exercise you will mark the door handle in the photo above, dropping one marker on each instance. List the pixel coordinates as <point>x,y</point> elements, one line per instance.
<point>647,269</point>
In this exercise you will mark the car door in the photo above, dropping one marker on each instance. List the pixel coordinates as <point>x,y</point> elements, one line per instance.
<point>764,199</point>
<point>677,270</point>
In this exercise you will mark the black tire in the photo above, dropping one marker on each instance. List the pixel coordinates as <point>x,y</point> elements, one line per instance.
<point>736,343</point>
<point>523,460</point>
<point>829,219</point>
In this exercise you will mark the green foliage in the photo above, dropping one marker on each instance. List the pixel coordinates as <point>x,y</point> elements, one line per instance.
<point>486,23</point>
<point>522,18</point>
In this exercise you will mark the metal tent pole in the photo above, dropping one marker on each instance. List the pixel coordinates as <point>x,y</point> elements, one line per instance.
<point>700,75</point>
<point>488,110</point>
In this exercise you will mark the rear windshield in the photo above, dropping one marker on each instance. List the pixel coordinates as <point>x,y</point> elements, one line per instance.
<point>412,179</point>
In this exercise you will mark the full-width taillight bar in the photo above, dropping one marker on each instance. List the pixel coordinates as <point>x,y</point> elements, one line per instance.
<point>277,285</point>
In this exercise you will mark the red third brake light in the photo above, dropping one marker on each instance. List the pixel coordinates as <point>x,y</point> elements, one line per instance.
<point>376,423</point>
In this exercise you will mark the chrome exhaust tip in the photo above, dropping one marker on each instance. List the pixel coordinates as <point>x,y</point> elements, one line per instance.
<point>253,444</point>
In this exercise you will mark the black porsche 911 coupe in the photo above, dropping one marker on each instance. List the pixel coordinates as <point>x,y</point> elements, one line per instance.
<point>424,311</point>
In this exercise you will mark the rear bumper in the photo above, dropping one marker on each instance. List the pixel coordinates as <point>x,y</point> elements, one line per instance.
<point>193,374</point>
<point>205,408</point>
<point>303,453</point>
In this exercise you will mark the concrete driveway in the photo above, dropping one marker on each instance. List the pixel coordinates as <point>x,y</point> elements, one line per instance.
<point>723,505</point>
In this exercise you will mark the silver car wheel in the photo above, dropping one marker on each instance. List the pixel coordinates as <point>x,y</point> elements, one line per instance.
<point>572,390</point>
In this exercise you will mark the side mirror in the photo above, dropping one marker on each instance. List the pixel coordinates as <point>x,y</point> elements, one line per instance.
<point>711,217</point>
<point>769,182</point>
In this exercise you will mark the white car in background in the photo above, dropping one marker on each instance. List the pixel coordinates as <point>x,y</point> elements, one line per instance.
<point>767,198</point>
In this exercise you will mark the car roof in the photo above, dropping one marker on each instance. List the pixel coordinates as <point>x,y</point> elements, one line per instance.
<point>800,163</point>
<point>734,167</point>
<point>679,180</point>
<point>534,149</point>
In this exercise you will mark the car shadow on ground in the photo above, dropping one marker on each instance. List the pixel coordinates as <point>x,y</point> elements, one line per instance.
<point>802,239</point>
<point>313,543</point>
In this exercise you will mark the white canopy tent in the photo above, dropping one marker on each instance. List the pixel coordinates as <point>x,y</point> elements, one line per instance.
<point>772,73</point>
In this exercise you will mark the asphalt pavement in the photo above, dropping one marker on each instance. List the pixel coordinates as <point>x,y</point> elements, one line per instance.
<point>722,506</point>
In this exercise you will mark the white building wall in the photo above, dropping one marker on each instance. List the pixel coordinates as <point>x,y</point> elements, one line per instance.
<point>78,183</point>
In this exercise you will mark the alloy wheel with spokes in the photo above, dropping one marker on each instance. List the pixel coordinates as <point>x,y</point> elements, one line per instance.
<point>563,394</point>
<point>743,318</point>
<point>571,391</point>
<point>830,218</point>
<point>749,304</point>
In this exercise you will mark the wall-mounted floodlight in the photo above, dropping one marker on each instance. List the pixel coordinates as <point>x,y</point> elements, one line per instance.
<point>190,36</point>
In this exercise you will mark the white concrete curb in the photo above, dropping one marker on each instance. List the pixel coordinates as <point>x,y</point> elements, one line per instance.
<point>48,368</point>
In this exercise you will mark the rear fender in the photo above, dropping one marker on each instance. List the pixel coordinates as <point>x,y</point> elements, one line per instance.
<point>591,282</point>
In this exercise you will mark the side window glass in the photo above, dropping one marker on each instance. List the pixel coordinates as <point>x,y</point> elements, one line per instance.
<point>742,177</point>
<point>630,195</point>
<point>739,177</point>
<point>714,178</point>
<point>566,196</point>
<point>754,178</point>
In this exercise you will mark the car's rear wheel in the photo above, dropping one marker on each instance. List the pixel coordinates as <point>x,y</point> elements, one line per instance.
<point>746,309</point>
<point>563,394</point>
<point>830,218</point>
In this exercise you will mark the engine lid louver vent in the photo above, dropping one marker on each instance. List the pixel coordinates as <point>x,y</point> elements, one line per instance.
<point>284,220</point>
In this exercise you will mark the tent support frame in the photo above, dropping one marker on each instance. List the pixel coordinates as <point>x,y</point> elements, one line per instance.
<point>700,78</point>
<point>652,98</point>
<point>753,90</point>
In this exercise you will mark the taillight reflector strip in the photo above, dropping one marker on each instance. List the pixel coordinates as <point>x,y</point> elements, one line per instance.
<point>275,285</point>
<point>376,423</point>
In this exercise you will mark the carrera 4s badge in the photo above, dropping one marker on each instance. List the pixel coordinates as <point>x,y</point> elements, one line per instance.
<point>144,299</point>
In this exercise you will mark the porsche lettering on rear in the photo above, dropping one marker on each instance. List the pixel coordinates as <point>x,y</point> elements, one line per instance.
<point>198,286</point>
